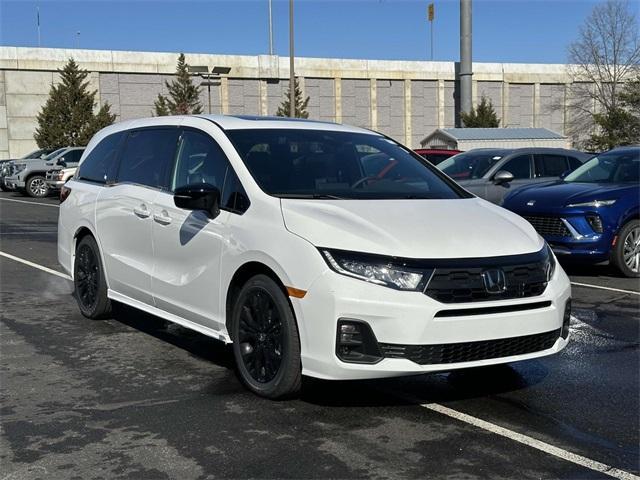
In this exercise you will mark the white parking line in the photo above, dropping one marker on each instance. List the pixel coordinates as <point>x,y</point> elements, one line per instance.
<point>30,203</point>
<point>588,285</point>
<point>463,417</point>
<point>35,265</point>
<point>532,442</point>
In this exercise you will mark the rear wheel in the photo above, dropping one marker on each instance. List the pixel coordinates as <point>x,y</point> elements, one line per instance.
<point>89,281</point>
<point>266,345</point>
<point>626,254</point>
<point>37,187</point>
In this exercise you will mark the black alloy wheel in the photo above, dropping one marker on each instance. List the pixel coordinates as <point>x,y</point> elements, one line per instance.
<point>266,343</point>
<point>89,281</point>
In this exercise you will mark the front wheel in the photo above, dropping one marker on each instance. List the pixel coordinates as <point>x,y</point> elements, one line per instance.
<point>626,254</point>
<point>266,344</point>
<point>37,187</point>
<point>89,280</point>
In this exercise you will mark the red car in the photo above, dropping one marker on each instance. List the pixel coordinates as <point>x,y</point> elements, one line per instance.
<point>434,155</point>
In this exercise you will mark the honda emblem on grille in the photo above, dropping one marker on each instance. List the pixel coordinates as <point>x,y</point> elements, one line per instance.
<point>531,203</point>
<point>494,281</point>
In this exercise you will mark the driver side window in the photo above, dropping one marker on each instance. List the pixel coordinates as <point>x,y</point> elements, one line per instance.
<point>519,167</point>
<point>199,160</point>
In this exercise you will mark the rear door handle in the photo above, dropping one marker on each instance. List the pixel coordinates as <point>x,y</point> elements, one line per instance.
<point>142,211</point>
<point>162,218</point>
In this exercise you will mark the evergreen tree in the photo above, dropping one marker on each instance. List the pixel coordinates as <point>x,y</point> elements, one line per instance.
<point>301,105</point>
<point>67,117</point>
<point>184,96</point>
<point>161,107</point>
<point>483,116</point>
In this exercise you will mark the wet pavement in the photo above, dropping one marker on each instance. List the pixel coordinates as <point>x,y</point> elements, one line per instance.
<point>137,397</point>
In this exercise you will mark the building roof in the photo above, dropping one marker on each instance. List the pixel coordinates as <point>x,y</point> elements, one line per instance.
<point>499,133</point>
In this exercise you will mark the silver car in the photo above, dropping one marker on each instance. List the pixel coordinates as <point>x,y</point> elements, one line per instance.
<point>491,173</point>
<point>29,176</point>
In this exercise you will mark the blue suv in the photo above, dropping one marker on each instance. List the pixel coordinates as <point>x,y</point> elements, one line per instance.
<point>593,213</point>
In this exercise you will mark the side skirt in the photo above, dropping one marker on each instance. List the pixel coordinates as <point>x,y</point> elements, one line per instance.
<point>167,316</point>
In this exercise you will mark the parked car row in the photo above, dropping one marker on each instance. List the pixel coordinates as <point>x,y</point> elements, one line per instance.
<point>38,176</point>
<point>585,207</point>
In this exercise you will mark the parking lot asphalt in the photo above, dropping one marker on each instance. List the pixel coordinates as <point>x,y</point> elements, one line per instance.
<point>137,397</point>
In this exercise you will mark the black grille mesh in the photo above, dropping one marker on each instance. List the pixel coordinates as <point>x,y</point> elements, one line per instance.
<point>551,226</point>
<point>471,351</point>
<point>458,285</point>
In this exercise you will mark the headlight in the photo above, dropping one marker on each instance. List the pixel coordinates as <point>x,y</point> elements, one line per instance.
<point>594,203</point>
<point>379,270</point>
<point>549,263</point>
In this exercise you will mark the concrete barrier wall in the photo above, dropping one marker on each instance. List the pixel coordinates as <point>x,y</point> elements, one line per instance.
<point>406,100</point>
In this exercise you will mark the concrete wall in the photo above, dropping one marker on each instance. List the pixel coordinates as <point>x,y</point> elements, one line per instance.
<point>405,100</point>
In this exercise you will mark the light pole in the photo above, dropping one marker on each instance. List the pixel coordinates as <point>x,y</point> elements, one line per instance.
<point>209,79</point>
<point>292,77</point>
<point>270,30</point>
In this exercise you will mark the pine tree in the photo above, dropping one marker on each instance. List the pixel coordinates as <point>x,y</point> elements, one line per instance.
<point>184,96</point>
<point>301,105</point>
<point>67,117</point>
<point>161,107</point>
<point>483,116</point>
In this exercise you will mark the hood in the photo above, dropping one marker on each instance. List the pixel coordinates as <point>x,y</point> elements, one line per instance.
<point>461,228</point>
<point>558,194</point>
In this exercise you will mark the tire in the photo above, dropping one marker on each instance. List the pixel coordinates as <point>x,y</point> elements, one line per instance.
<point>37,187</point>
<point>266,344</point>
<point>626,254</point>
<point>89,282</point>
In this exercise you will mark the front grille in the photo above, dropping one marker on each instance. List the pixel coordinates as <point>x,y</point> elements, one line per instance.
<point>459,285</point>
<point>471,351</point>
<point>551,226</point>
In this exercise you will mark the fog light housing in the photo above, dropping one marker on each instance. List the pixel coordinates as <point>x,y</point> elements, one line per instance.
<point>595,222</point>
<point>356,343</point>
<point>566,320</point>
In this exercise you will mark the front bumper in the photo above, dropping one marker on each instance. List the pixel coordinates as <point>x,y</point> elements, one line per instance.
<point>14,182</point>
<point>55,184</point>
<point>409,319</point>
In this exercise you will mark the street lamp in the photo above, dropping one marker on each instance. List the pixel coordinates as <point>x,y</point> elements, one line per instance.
<point>209,79</point>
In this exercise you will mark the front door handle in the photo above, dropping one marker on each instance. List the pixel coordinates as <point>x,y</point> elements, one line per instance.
<point>142,211</point>
<point>162,218</point>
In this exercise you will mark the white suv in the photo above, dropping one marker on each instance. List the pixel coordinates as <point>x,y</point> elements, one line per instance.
<point>315,248</point>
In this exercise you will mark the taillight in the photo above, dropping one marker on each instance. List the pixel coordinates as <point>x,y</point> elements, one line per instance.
<point>64,193</point>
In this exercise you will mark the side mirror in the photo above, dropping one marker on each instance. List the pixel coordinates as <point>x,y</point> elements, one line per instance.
<point>62,163</point>
<point>199,196</point>
<point>502,177</point>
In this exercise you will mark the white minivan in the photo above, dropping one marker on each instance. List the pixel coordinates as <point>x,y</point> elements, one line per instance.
<point>314,248</point>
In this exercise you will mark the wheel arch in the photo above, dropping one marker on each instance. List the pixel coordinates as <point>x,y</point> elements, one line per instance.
<point>81,232</point>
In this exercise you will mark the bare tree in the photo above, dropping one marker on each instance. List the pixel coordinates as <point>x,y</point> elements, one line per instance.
<point>605,55</point>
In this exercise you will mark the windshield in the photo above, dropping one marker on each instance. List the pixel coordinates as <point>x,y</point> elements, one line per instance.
<point>54,154</point>
<point>297,163</point>
<point>613,167</point>
<point>470,165</point>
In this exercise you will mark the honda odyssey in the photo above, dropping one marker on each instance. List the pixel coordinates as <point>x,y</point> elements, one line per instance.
<point>313,248</point>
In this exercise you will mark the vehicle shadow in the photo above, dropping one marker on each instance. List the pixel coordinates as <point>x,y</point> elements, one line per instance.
<point>411,390</point>
<point>590,270</point>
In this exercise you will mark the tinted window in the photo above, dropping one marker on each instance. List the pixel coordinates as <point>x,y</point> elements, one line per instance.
<point>320,164</point>
<point>519,167</point>
<point>549,165</point>
<point>199,160</point>
<point>436,158</point>
<point>72,157</point>
<point>147,156</point>
<point>612,167</point>
<point>574,163</point>
<point>465,166</point>
<point>100,164</point>
<point>234,197</point>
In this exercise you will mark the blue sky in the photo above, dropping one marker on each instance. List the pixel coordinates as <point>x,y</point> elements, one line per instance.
<point>530,31</point>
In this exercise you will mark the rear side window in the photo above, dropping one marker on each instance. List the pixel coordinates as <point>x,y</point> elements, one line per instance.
<point>519,167</point>
<point>549,165</point>
<point>147,156</point>
<point>100,165</point>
